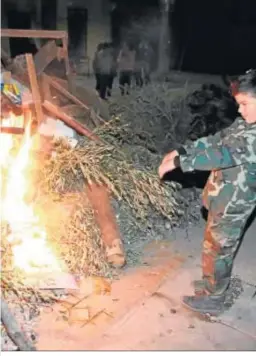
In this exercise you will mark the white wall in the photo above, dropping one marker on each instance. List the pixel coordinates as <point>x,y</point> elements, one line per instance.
<point>99,21</point>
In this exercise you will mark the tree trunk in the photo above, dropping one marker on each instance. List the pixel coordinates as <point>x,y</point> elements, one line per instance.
<point>165,50</point>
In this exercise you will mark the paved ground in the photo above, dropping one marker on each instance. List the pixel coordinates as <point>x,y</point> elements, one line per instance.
<point>168,326</point>
<point>144,310</point>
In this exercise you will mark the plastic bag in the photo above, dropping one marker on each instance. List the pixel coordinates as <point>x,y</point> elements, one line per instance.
<point>17,93</point>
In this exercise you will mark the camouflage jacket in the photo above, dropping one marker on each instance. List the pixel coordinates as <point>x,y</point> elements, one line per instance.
<point>231,153</point>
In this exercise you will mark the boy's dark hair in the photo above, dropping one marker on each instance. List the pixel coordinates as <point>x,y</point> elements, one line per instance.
<point>245,83</point>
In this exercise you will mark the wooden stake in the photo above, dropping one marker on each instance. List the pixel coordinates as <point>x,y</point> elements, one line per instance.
<point>45,56</point>
<point>34,87</point>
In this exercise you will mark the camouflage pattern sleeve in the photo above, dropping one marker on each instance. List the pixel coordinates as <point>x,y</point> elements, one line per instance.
<point>206,142</point>
<point>236,149</point>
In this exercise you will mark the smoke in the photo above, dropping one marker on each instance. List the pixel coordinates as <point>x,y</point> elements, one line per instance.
<point>146,29</point>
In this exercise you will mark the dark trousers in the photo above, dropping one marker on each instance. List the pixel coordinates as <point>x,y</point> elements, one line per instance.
<point>97,78</point>
<point>138,78</point>
<point>125,81</point>
<point>142,76</point>
<point>110,84</point>
<point>104,84</point>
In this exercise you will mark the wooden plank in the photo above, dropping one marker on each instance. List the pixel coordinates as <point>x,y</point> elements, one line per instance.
<point>45,56</point>
<point>34,87</point>
<point>7,32</point>
<point>89,98</point>
<point>46,87</point>
<point>63,82</point>
<point>12,130</point>
<point>73,98</point>
<point>71,122</point>
<point>66,93</point>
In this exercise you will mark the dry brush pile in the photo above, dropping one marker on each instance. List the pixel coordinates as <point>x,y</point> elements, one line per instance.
<point>162,117</point>
<point>145,124</point>
<point>104,163</point>
<point>149,122</point>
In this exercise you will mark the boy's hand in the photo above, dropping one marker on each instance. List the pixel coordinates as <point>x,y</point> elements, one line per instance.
<point>170,156</point>
<point>167,164</point>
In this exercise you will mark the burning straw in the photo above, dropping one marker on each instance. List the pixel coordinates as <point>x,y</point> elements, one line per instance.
<point>75,236</point>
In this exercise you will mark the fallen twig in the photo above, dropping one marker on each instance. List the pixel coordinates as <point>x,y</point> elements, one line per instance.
<point>94,317</point>
<point>13,330</point>
<point>236,329</point>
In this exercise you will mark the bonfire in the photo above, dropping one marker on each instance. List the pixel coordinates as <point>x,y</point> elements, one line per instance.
<point>34,243</point>
<point>31,252</point>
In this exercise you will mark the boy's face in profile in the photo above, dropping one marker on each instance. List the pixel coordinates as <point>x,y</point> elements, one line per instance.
<point>247,106</point>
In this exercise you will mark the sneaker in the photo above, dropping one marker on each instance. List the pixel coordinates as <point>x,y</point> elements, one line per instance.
<point>206,305</point>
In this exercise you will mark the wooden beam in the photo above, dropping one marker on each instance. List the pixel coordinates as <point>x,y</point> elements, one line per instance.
<point>6,32</point>
<point>34,87</point>
<point>45,56</point>
<point>61,86</point>
<point>73,98</point>
<point>74,124</point>
<point>66,93</point>
<point>89,98</point>
<point>12,130</point>
<point>46,87</point>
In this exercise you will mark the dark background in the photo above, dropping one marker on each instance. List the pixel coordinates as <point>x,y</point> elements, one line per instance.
<point>213,36</point>
<point>210,36</point>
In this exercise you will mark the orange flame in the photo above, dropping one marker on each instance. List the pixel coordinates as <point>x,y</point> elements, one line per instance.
<point>30,250</point>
